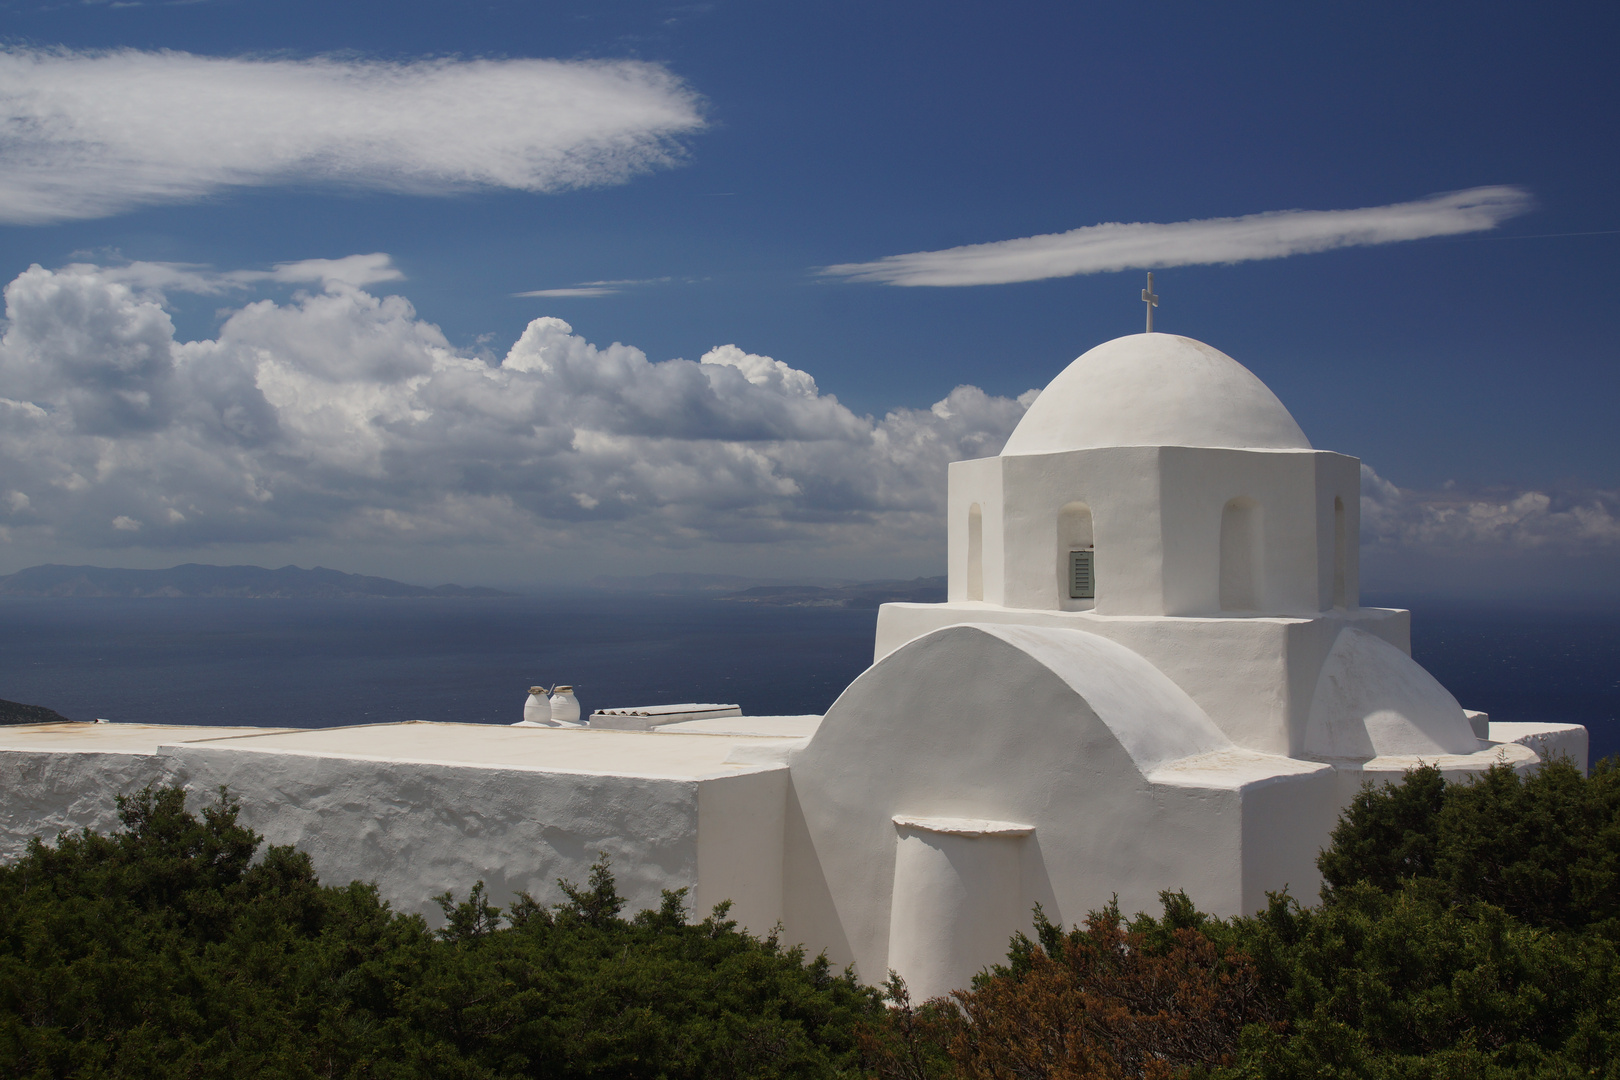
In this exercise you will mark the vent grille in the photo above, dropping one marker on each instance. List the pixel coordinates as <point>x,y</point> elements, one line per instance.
<point>1082,576</point>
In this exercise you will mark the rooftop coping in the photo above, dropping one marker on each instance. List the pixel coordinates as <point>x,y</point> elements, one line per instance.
<point>668,753</point>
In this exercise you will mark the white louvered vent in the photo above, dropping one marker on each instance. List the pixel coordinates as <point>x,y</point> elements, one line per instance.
<point>1082,577</point>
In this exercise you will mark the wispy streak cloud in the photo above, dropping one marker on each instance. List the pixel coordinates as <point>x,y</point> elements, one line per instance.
<point>88,134</point>
<point>1147,245</point>
<point>157,278</point>
<point>592,288</point>
<point>575,291</point>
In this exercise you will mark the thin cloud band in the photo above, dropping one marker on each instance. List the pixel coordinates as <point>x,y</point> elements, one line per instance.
<point>1111,246</point>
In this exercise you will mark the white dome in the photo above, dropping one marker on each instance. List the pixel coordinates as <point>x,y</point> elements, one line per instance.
<point>1155,390</point>
<point>1372,700</point>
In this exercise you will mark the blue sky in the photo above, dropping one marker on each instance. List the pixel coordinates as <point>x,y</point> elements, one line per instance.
<point>708,162</point>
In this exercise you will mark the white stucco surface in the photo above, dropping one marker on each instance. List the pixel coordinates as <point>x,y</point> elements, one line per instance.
<point>418,828</point>
<point>57,778</point>
<point>956,889</point>
<point>1255,676</point>
<point>649,717</point>
<point>1373,700</point>
<point>1152,719</point>
<point>420,808</point>
<point>1057,730</point>
<point>116,738</point>
<point>1155,390</point>
<point>1564,740</point>
<point>1224,567</point>
<point>1158,517</point>
<point>787,727</point>
<point>659,754</point>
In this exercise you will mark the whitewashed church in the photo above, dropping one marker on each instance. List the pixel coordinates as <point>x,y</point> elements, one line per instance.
<point>1152,672</point>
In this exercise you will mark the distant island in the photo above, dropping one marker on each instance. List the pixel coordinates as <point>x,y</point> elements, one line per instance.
<point>296,583</point>
<point>778,593</point>
<point>675,582</point>
<point>15,712</point>
<point>197,580</point>
<point>861,595</point>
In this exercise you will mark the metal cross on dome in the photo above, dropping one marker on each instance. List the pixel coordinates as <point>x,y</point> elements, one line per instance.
<point>1151,299</point>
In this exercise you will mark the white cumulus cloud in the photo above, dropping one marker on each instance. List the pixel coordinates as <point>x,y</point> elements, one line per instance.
<point>1449,520</point>
<point>1148,245</point>
<point>89,133</point>
<point>341,416</point>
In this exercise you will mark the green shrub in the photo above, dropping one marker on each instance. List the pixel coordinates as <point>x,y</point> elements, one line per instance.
<point>165,950</point>
<point>1465,931</point>
<point>1543,848</point>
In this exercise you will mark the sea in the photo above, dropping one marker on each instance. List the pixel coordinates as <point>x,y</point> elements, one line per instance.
<point>324,663</point>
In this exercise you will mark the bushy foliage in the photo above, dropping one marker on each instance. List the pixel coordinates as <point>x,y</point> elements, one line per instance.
<point>1397,984</point>
<point>1147,997</point>
<point>1544,848</point>
<point>1465,931</point>
<point>165,950</point>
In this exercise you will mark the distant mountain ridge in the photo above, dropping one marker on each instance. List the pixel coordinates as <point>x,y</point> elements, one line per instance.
<point>15,712</point>
<point>199,580</point>
<point>779,593</point>
<point>673,582</point>
<point>863,595</point>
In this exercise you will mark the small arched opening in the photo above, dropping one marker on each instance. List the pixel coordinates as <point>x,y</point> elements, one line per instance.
<point>975,553</point>
<point>1240,555</point>
<point>1341,552</point>
<point>1076,557</point>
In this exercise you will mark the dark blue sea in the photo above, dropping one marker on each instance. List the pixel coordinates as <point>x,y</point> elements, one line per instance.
<point>319,663</point>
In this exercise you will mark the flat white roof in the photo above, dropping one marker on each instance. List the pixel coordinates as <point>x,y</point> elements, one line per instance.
<point>113,738</point>
<point>689,750</point>
<point>656,754</point>
<point>1231,768</point>
<point>791,727</point>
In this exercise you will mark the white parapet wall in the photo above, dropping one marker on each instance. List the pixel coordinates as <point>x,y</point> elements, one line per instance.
<point>648,717</point>
<point>1547,740</point>
<point>65,777</point>
<point>970,774</point>
<point>423,808</point>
